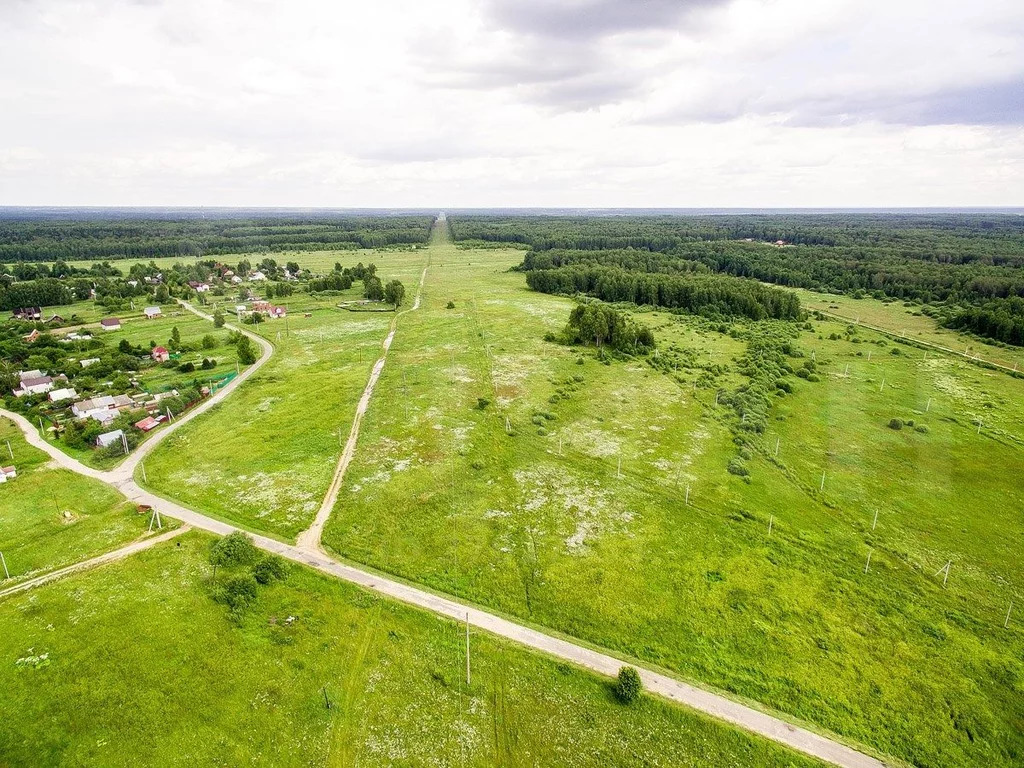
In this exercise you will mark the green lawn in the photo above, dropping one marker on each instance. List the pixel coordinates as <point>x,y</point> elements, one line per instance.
<point>543,524</point>
<point>144,668</point>
<point>265,457</point>
<point>50,517</point>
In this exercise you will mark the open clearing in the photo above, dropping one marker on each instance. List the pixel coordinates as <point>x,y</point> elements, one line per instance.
<point>439,493</point>
<point>206,690</point>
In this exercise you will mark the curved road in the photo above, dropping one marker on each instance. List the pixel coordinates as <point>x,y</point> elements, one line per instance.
<point>309,553</point>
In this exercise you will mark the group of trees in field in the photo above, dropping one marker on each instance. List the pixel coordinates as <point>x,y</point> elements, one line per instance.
<point>710,295</point>
<point>33,239</point>
<point>602,325</point>
<point>968,267</point>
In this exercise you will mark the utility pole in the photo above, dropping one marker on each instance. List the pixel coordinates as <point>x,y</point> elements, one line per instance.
<point>1006,624</point>
<point>9,450</point>
<point>771,520</point>
<point>875,521</point>
<point>7,575</point>
<point>467,649</point>
<point>822,488</point>
<point>777,440</point>
<point>143,468</point>
<point>867,565</point>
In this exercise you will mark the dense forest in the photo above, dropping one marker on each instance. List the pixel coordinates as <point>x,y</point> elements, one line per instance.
<point>30,239</point>
<point>971,266</point>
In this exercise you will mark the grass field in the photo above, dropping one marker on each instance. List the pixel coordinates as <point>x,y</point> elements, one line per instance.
<point>206,690</point>
<point>901,319</point>
<point>546,525</point>
<point>50,517</point>
<point>265,457</point>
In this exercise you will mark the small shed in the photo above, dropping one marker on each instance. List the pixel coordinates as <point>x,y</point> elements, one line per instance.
<point>109,438</point>
<point>160,354</point>
<point>110,324</point>
<point>152,312</point>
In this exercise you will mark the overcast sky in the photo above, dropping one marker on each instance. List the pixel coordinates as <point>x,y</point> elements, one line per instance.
<point>457,103</point>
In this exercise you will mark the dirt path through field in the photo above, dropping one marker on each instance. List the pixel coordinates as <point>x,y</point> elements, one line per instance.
<point>310,538</point>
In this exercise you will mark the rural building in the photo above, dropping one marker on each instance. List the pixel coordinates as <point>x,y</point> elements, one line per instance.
<point>160,354</point>
<point>73,336</point>
<point>276,313</point>
<point>30,337</point>
<point>35,373</point>
<point>198,287</point>
<point>56,395</point>
<point>54,319</point>
<point>240,309</point>
<point>103,408</point>
<point>257,276</point>
<point>6,473</point>
<point>110,438</point>
<point>34,386</point>
<point>27,313</point>
<point>235,279</point>
<point>88,361</point>
<point>261,305</point>
<point>148,423</point>
<point>152,312</point>
<point>110,324</point>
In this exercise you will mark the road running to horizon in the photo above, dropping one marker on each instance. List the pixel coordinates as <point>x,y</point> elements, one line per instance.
<point>308,552</point>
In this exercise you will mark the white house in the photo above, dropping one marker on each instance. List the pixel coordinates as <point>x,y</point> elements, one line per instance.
<point>34,386</point>
<point>56,395</point>
<point>235,279</point>
<point>88,361</point>
<point>33,374</point>
<point>109,438</point>
<point>110,324</point>
<point>257,275</point>
<point>6,473</point>
<point>152,312</point>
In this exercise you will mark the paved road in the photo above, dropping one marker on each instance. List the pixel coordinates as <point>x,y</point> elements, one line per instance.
<point>713,704</point>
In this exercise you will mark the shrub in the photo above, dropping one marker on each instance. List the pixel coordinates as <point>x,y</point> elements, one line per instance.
<point>186,367</point>
<point>451,305</point>
<point>921,428</point>
<point>895,424</point>
<point>209,341</point>
<point>269,568</point>
<point>234,549</point>
<point>628,685</point>
<point>482,403</point>
<point>737,467</point>
<point>238,591</point>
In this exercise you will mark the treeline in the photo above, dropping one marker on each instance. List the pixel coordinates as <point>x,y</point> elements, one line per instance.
<point>709,295</point>
<point>599,324</point>
<point>34,240</point>
<point>46,292</point>
<point>1001,319</point>
<point>969,266</point>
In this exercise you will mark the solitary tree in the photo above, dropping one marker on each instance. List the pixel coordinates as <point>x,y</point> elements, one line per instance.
<point>394,292</point>
<point>162,294</point>
<point>628,685</point>
<point>218,319</point>
<point>246,351</point>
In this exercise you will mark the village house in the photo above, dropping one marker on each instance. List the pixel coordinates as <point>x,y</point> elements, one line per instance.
<point>110,438</point>
<point>103,408</point>
<point>160,354</point>
<point>235,280</point>
<point>110,324</point>
<point>152,312</point>
<point>88,361</point>
<point>35,373</point>
<point>261,305</point>
<point>54,320</point>
<point>7,473</point>
<point>257,276</point>
<point>27,313</point>
<point>56,395</point>
<point>73,336</point>
<point>198,287</point>
<point>35,385</point>
<point>30,337</point>
<point>276,313</point>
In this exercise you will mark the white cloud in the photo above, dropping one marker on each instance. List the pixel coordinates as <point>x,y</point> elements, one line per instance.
<point>460,103</point>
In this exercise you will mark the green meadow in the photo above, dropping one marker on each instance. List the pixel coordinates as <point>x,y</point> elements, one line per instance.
<point>595,499</point>
<point>265,456</point>
<point>315,672</point>
<point>51,518</point>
